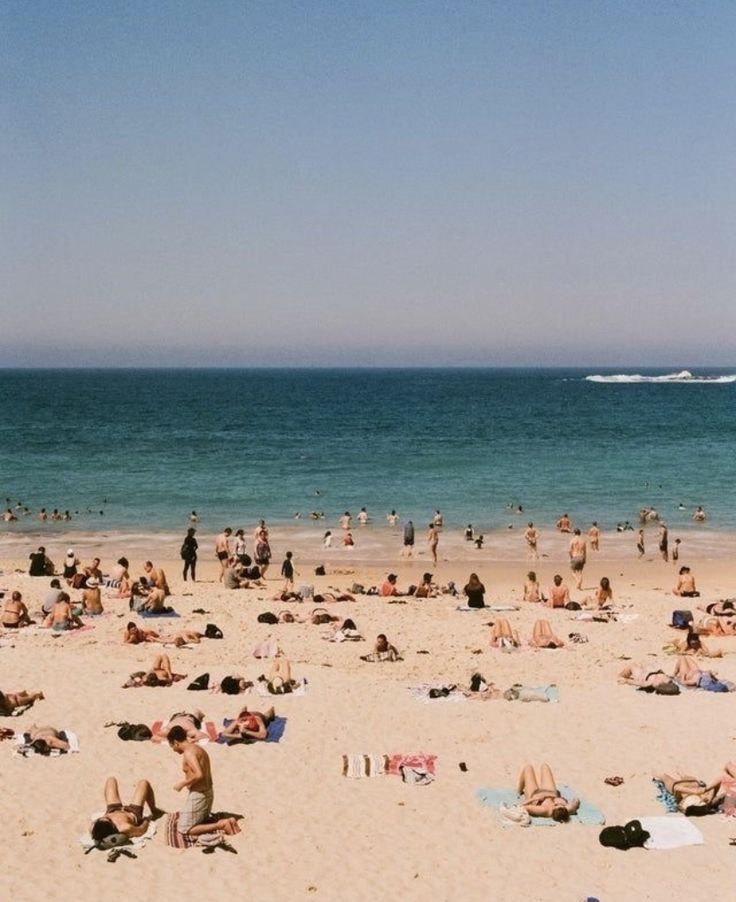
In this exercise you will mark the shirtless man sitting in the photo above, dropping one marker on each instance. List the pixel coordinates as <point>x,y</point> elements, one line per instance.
<point>125,819</point>
<point>157,576</point>
<point>93,569</point>
<point>15,613</point>
<point>558,595</point>
<point>194,817</point>
<point>92,597</point>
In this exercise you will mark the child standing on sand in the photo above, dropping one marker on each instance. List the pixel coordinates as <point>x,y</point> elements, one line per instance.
<point>287,571</point>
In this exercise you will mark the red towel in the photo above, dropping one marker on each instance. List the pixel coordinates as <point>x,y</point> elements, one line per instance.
<point>420,761</point>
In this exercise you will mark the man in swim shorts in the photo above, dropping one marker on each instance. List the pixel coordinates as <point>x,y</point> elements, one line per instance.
<point>408,539</point>
<point>222,549</point>
<point>194,818</point>
<point>578,552</point>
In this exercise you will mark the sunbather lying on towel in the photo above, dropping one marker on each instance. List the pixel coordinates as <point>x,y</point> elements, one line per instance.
<point>251,726</point>
<point>541,796</point>
<point>642,675</point>
<point>503,636</point>
<point>125,819</point>
<point>160,674</point>
<point>9,701</point>
<point>692,644</point>
<point>44,739</point>
<point>382,651</point>
<point>688,673</point>
<point>693,796</point>
<point>191,723</point>
<point>543,637</point>
<point>134,635</point>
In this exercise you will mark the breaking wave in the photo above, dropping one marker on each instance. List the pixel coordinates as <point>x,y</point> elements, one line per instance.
<point>684,377</point>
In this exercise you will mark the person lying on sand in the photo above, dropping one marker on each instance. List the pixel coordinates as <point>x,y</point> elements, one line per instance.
<point>11,701</point>
<point>642,675</point>
<point>693,796</point>
<point>382,651</point>
<point>14,613</point>
<point>543,637</point>
<point>503,636</point>
<point>327,597</point>
<point>134,635</point>
<point>692,644</point>
<point>62,617</point>
<point>190,722</point>
<point>125,819</point>
<point>160,674</point>
<point>541,796</point>
<point>251,726</point>
<point>44,739</point>
<point>688,673</point>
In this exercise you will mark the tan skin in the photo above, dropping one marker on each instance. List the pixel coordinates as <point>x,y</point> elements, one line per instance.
<point>643,675</point>
<point>250,724</point>
<point>135,636</point>
<point>9,701</point>
<point>532,591</point>
<point>62,613</point>
<point>532,537</point>
<point>559,594</point>
<point>682,786</point>
<point>50,736</point>
<point>92,601</point>
<point>603,596</point>
<point>15,613</point>
<point>502,630</point>
<point>543,637</point>
<point>198,778</point>
<point>124,821</point>
<point>541,796</point>
<point>685,584</point>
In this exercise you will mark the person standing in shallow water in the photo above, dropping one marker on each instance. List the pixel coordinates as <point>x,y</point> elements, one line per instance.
<point>189,554</point>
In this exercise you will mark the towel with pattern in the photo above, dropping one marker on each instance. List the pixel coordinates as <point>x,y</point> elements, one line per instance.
<point>356,766</point>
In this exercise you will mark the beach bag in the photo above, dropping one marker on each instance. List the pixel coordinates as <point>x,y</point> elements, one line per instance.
<point>358,589</point>
<point>136,732</point>
<point>267,617</point>
<point>682,619</point>
<point>573,606</point>
<point>184,552</point>
<point>201,684</point>
<point>212,632</point>
<point>319,571</point>
<point>79,580</point>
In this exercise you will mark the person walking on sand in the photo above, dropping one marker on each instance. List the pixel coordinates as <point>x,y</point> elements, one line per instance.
<point>664,542</point>
<point>578,553</point>
<point>408,539</point>
<point>194,817</point>
<point>594,534</point>
<point>287,571</point>
<point>222,549</point>
<point>640,543</point>
<point>532,537</point>
<point>433,539</point>
<point>189,554</point>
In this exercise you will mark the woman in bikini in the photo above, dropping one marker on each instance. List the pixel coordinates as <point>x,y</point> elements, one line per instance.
<point>541,796</point>
<point>15,613</point>
<point>532,590</point>
<point>693,796</point>
<point>44,739</point>
<point>251,726</point>
<point>503,636</point>
<point>10,701</point>
<point>543,637</point>
<point>603,597</point>
<point>160,674</point>
<point>641,675</point>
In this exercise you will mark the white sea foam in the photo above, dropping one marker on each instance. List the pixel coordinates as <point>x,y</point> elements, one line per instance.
<point>684,377</point>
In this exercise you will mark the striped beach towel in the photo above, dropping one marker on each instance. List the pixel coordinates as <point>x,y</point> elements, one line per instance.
<point>356,766</point>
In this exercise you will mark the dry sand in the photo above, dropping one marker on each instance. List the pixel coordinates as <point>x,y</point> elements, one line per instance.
<point>310,833</point>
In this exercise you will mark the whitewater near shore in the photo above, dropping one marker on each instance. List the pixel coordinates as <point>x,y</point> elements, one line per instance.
<point>309,832</point>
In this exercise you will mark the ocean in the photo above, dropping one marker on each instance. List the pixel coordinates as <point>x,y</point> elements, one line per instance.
<point>146,447</point>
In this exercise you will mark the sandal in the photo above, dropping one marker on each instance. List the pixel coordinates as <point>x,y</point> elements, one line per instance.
<point>614,781</point>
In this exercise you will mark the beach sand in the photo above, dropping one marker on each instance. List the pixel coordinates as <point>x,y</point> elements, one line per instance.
<point>308,832</point>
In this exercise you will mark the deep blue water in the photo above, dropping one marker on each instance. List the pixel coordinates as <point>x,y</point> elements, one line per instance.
<point>239,444</point>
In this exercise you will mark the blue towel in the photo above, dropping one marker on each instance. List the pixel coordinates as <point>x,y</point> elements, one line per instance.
<point>665,797</point>
<point>275,731</point>
<point>149,614</point>
<point>586,813</point>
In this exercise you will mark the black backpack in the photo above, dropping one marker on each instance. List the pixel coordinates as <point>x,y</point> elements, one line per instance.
<point>201,684</point>
<point>135,732</point>
<point>212,632</point>
<point>267,617</point>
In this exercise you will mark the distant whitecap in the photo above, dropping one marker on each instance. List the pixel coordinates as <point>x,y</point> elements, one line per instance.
<point>683,377</point>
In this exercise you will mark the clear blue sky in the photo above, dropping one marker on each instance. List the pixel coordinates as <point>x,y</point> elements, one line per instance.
<point>368,182</point>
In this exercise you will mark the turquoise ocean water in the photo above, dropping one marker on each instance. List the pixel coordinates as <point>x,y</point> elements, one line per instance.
<point>148,446</point>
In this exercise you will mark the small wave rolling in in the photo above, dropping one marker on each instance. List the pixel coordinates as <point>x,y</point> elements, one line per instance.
<point>685,377</point>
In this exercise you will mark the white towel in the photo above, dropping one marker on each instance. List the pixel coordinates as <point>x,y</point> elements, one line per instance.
<point>87,842</point>
<point>26,751</point>
<point>670,831</point>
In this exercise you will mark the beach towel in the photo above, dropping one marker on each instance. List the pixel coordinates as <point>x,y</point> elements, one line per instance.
<point>728,805</point>
<point>495,798</point>
<point>535,693</point>
<point>419,761</point>
<point>57,633</point>
<point>665,797</point>
<point>421,694</point>
<point>261,689</point>
<point>88,843</point>
<point>356,766</point>
<point>208,727</point>
<point>269,648</point>
<point>148,615</point>
<point>26,750</point>
<point>670,832</point>
<point>274,733</point>
<point>177,840</point>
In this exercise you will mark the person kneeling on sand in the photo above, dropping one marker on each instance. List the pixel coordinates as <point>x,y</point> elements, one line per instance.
<point>125,819</point>
<point>382,651</point>
<point>543,637</point>
<point>542,797</point>
<point>194,817</point>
